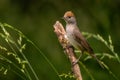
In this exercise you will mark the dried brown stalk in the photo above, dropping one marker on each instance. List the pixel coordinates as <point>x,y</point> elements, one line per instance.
<point>60,32</point>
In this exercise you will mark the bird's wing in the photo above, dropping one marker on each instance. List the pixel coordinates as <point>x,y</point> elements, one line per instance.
<point>81,40</point>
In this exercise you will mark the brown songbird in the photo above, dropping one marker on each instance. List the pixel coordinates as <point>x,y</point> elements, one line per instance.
<point>75,37</point>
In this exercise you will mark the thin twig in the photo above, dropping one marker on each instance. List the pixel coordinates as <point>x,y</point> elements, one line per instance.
<point>61,34</point>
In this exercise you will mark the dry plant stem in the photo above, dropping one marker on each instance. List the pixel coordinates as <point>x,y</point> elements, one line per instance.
<point>61,34</point>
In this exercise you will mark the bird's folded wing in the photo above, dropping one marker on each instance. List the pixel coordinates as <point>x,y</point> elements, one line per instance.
<point>82,41</point>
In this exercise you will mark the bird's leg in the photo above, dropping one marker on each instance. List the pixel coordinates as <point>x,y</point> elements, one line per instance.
<point>77,59</point>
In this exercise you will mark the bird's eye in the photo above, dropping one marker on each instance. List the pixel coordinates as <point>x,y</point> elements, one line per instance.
<point>69,17</point>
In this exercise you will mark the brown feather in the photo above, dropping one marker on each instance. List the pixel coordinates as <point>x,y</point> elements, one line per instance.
<point>81,40</point>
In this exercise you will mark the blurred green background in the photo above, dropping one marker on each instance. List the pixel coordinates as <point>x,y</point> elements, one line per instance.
<point>35,18</point>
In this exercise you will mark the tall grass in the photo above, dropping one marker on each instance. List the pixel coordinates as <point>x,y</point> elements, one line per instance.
<point>15,49</point>
<point>12,57</point>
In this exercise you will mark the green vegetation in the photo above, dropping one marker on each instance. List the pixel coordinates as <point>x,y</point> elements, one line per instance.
<point>37,54</point>
<point>13,59</point>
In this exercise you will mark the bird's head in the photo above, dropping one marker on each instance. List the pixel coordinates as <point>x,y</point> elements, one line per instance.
<point>69,17</point>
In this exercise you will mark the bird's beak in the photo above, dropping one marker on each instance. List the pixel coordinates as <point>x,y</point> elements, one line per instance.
<point>63,18</point>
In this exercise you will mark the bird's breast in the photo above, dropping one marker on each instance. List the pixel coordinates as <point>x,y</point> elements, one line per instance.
<point>69,28</point>
<point>71,37</point>
<point>69,32</point>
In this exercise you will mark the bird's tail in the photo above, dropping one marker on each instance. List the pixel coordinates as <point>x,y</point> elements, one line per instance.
<point>100,62</point>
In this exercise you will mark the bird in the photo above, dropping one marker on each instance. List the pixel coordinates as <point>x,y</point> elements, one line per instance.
<point>75,37</point>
